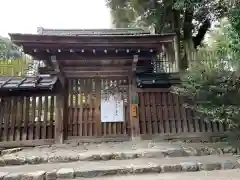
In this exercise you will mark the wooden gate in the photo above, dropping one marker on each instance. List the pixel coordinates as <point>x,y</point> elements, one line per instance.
<point>84,112</point>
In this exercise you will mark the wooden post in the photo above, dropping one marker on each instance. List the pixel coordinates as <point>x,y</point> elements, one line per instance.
<point>133,97</point>
<point>59,131</point>
<point>61,114</point>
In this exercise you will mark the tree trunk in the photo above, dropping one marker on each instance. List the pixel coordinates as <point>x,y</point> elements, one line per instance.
<point>187,36</point>
<point>177,27</point>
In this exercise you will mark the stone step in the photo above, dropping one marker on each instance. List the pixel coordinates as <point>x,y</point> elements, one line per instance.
<point>91,169</point>
<point>40,155</point>
<point>232,174</point>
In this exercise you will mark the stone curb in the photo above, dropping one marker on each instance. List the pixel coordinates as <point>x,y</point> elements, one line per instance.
<point>70,173</point>
<point>10,159</point>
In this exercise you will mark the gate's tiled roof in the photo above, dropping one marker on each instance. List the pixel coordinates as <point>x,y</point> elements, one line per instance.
<point>27,83</point>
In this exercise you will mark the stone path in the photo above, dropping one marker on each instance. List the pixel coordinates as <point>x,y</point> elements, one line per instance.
<point>70,161</point>
<point>202,175</point>
<point>107,151</point>
<point>92,169</point>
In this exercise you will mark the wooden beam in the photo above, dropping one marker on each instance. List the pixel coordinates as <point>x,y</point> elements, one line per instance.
<point>96,68</point>
<point>97,74</point>
<point>134,63</point>
<point>58,69</point>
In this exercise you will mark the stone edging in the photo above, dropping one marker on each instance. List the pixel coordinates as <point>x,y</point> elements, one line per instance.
<point>69,173</point>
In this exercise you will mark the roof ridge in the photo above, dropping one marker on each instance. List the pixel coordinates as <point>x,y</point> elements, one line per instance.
<point>44,31</point>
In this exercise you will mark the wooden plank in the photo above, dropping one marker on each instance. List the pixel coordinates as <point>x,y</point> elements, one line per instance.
<point>44,131</point>
<point>177,109</point>
<point>119,68</point>
<point>183,115</point>
<point>98,107</point>
<point>148,113</point>
<point>150,90</point>
<point>160,112</point>
<point>85,119</point>
<point>190,120</point>
<point>27,116</point>
<point>77,105</point>
<point>114,125</point>
<point>1,118</point>
<point>154,112</point>
<point>171,113</point>
<point>70,120</point>
<point>221,128</point>
<point>104,125</point>
<point>74,108</point>
<point>165,112</point>
<point>108,138</point>
<point>125,126</point>
<point>215,128</point>
<point>80,116</point>
<point>19,118</point>
<point>90,108</point>
<point>32,118</point>
<point>198,127</point>
<point>142,117</point>
<point>39,119</point>
<point>12,118</point>
<point>6,119</point>
<point>96,74</point>
<point>51,119</point>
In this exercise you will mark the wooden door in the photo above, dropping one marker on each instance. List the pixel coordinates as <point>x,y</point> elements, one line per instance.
<point>84,113</point>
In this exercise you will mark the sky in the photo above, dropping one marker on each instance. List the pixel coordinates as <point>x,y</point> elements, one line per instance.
<point>24,16</point>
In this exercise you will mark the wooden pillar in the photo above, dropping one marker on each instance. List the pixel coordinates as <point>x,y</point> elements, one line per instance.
<point>61,115</point>
<point>133,97</point>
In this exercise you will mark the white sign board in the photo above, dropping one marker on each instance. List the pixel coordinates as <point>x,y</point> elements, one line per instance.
<point>112,108</point>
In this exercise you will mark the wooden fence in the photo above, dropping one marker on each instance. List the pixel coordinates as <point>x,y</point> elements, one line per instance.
<point>31,119</point>
<point>25,118</point>
<point>162,112</point>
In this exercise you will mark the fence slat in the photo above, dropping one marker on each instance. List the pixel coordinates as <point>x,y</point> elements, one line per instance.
<point>165,111</point>
<point>12,119</point>
<point>80,119</point>
<point>52,119</point>
<point>39,119</point>
<point>32,119</point>
<point>153,112</point>
<point>6,119</point>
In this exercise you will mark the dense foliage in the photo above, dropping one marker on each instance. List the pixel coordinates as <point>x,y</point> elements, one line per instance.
<point>213,82</point>
<point>12,60</point>
<point>8,50</point>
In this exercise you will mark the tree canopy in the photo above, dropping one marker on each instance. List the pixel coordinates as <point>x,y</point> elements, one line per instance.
<point>189,19</point>
<point>8,50</point>
<point>185,16</point>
